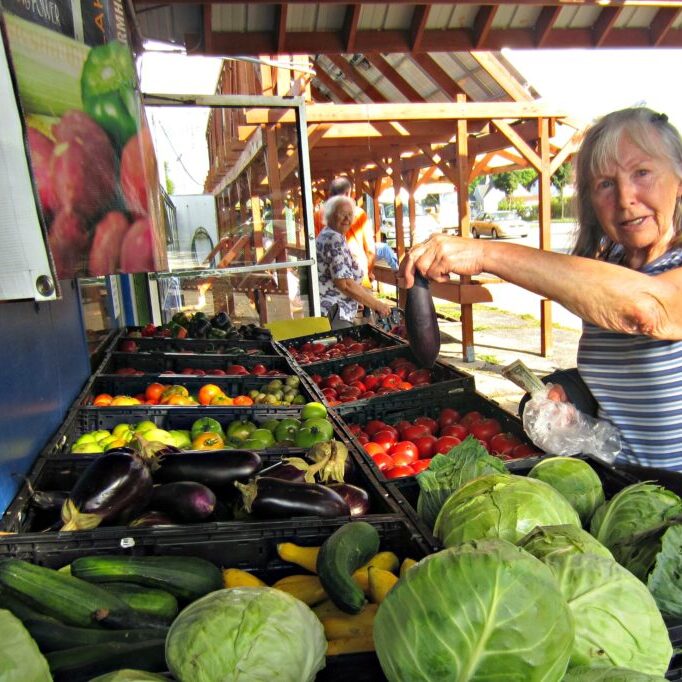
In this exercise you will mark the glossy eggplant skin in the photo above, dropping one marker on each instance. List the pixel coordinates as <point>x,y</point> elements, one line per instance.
<point>113,483</point>
<point>277,499</point>
<point>49,500</point>
<point>214,469</point>
<point>356,497</point>
<point>421,322</point>
<point>186,501</point>
<point>151,518</point>
<point>285,472</point>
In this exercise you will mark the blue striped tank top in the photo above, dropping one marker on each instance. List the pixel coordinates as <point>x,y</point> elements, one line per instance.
<point>637,382</point>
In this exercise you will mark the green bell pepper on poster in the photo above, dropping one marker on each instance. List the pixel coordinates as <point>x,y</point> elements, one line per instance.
<point>108,90</point>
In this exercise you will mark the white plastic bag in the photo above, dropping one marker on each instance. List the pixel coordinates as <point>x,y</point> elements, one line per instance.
<point>559,428</point>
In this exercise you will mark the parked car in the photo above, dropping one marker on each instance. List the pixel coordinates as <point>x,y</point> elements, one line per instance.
<point>426,224</point>
<point>499,224</point>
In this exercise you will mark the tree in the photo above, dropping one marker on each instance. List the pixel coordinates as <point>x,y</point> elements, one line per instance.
<point>561,178</point>
<point>479,179</point>
<point>170,185</point>
<point>507,183</point>
<point>527,177</point>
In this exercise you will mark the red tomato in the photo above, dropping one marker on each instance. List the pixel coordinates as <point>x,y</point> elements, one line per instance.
<point>406,449</point>
<point>332,381</point>
<point>405,386</point>
<point>457,430</point>
<point>362,438</point>
<point>366,395</point>
<point>420,465</point>
<point>400,472</point>
<point>415,431</point>
<point>430,424</point>
<point>374,425</point>
<point>382,371</point>
<point>330,393</point>
<point>352,372</point>
<point>471,418</point>
<point>394,431</point>
<point>426,446</point>
<point>524,450</point>
<point>391,381</point>
<point>419,376</point>
<point>485,429</point>
<point>359,385</point>
<point>371,382</point>
<point>385,438</point>
<point>503,443</point>
<point>373,449</point>
<point>317,378</point>
<point>258,369</point>
<point>401,426</point>
<point>448,416</point>
<point>355,429</point>
<point>382,461</point>
<point>446,443</point>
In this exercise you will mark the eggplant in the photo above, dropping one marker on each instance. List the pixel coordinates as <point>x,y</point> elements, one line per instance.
<point>185,501</point>
<point>215,468</point>
<point>48,500</point>
<point>285,472</point>
<point>421,322</point>
<point>272,498</point>
<point>151,518</point>
<point>112,484</point>
<point>357,498</point>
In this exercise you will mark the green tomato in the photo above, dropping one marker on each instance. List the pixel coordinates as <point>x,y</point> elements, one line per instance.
<point>206,425</point>
<point>313,410</point>
<point>313,431</point>
<point>146,425</point>
<point>286,429</point>
<point>87,448</point>
<point>270,424</point>
<point>240,429</point>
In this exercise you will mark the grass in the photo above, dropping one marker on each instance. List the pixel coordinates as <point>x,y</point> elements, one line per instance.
<point>489,359</point>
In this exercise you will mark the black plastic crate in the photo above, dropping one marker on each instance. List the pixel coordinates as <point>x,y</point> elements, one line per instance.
<point>224,346</point>
<point>445,380</point>
<point>234,385</point>
<point>61,473</point>
<point>428,404</point>
<point>175,363</point>
<point>359,333</point>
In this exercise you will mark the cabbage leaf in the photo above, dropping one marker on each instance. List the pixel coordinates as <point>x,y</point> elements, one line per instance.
<point>20,658</point>
<point>585,674</point>
<point>546,541</point>
<point>664,580</point>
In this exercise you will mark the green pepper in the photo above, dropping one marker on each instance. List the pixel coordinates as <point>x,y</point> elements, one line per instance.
<point>215,333</point>
<point>108,90</point>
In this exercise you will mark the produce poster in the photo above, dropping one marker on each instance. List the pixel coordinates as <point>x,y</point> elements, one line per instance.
<point>90,149</point>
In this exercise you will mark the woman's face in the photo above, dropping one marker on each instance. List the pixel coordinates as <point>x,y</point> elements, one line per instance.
<point>342,217</point>
<point>634,201</point>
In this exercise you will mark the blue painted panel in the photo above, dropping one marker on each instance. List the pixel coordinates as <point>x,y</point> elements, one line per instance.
<point>43,366</point>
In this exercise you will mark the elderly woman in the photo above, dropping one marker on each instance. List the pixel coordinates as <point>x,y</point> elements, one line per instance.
<point>623,279</point>
<point>339,273</point>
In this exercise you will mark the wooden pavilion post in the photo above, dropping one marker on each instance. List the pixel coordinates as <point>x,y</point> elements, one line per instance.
<point>545,219</point>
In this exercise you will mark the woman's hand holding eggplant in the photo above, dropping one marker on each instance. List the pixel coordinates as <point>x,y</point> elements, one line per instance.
<point>441,255</point>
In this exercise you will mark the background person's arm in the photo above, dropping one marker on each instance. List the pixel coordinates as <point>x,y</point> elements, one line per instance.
<point>358,293</point>
<point>609,296</point>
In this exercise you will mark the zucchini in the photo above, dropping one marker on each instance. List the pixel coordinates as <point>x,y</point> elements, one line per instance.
<point>149,600</point>
<point>21,609</point>
<point>341,554</point>
<point>51,635</point>
<point>67,598</point>
<point>82,663</point>
<point>188,578</point>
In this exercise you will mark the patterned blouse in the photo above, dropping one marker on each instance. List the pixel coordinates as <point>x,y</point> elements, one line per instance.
<point>335,261</point>
<point>637,382</point>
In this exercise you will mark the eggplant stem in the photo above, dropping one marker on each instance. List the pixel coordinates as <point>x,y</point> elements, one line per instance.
<point>74,520</point>
<point>249,493</point>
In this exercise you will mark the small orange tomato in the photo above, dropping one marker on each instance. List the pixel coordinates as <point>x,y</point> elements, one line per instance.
<point>124,400</point>
<point>207,392</point>
<point>208,441</point>
<point>242,400</point>
<point>221,399</point>
<point>154,391</point>
<point>102,400</point>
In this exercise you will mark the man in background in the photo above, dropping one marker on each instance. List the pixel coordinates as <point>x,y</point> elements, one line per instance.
<point>385,253</point>
<point>360,235</point>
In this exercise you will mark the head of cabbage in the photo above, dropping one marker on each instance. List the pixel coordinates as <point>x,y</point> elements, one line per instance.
<point>480,611</point>
<point>576,480</point>
<point>546,541</point>
<point>503,506</point>
<point>254,633</point>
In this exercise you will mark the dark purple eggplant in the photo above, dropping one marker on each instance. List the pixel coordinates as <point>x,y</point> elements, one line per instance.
<point>111,485</point>
<point>272,498</point>
<point>421,322</point>
<point>151,518</point>
<point>356,498</point>
<point>186,501</point>
<point>48,500</point>
<point>215,469</point>
<point>285,472</point>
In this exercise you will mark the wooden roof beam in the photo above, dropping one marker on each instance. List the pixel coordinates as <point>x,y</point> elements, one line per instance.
<point>335,88</point>
<point>483,24</point>
<point>604,23</point>
<point>380,63</point>
<point>662,23</point>
<point>433,70</point>
<point>281,11</point>
<point>420,18</point>
<point>544,24</point>
<point>355,76</point>
<point>350,26</point>
<point>495,69</point>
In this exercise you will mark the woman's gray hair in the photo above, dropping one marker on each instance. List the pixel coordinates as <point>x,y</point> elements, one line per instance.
<point>332,204</point>
<point>646,129</point>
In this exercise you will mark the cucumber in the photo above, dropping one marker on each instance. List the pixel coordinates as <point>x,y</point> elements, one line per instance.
<point>341,554</point>
<point>82,663</point>
<point>21,609</point>
<point>67,598</point>
<point>149,600</point>
<point>188,578</point>
<point>51,635</point>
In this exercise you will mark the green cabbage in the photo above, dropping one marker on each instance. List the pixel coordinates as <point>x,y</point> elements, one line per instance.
<point>447,473</point>
<point>664,580</point>
<point>246,633</point>
<point>20,658</point>
<point>576,480</point>
<point>617,622</point>
<point>481,611</point>
<point>501,505</point>
<point>634,510</point>
<point>129,675</point>
<point>583,674</point>
<point>546,541</point>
